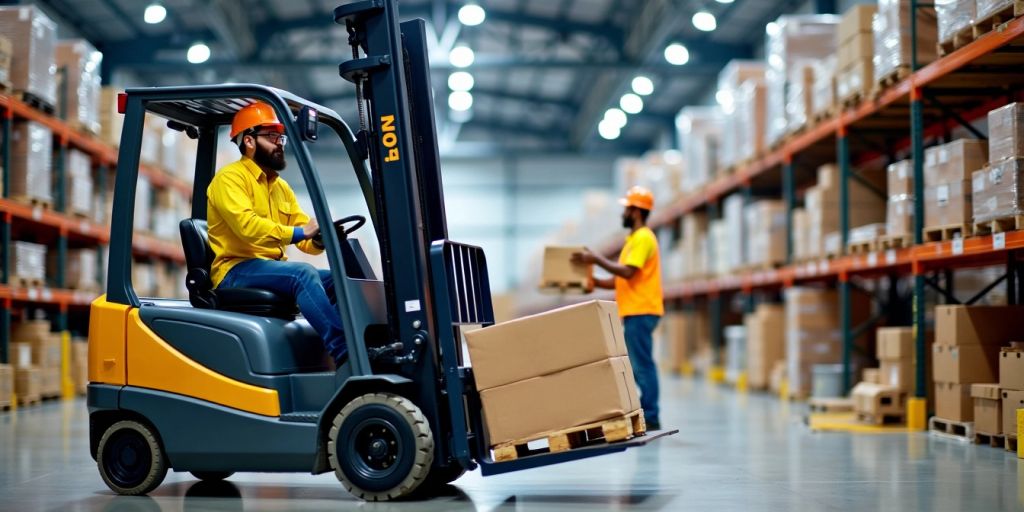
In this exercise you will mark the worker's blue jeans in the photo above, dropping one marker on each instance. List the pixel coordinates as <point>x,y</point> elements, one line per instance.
<point>639,331</point>
<point>312,289</point>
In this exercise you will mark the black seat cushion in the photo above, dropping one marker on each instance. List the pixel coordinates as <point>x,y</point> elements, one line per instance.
<point>201,293</point>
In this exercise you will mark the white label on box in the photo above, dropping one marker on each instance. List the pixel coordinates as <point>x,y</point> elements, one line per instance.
<point>978,182</point>
<point>412,306</point>
<point>958,246</point>
<point>942,194</point>
<point>890,256</point>
<point>873,259</point>
<point>999,241</point>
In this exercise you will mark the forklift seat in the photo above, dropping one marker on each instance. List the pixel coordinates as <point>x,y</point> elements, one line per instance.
<point>202,294</point>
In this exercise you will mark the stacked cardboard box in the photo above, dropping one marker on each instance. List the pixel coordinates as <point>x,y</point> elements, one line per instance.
<point>948,170</point>
<point>111,121</point>
<point>954,16</point>
<point>79,193</point>
<point>988,409</point>
<point>751,115</point>
<point>893,42</point>
<point>876,402</point>
<point>800,94</point>
<point>34,38</point>
<point>80,270</point>
<point>559,272</point>
<point>996,188</point>
<point>1011,389</point>
<point>552,371</point>
<point>824,86</point>
<point>678,335</point>
<point>144,279</point>
<point>899,210</point>
<point>700,133</point>
<point>6,49</point>
<point>695,240</point>
<point>45,353</point>
<point>812,332</point>
<point>153,130</point>
<point>766,343</point>
<point>80,365</point>
<point>81,62</point>
<point>29,262</point>
<point>896,356</point>
<point>822,205</point>
<point>143,220</point>
<point>792,41</point>
<point>966,351</point>
<point>801,240</point>
<point>730,79</point>
<point>987,8</point>
<point>31,161</point>
<point>766,228</point>
<point>855,76</point>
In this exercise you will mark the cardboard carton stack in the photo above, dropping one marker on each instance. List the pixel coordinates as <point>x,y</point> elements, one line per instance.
<point>28,263</point>
<point>988,8</point>
<point>893,42</point>
<point>45,353</point>
<point>559,272</point>
<point>31,162</point>
<point>553,371</point>
<point>948,170</point>
<point>822,206</point>
<point>824,97</point>
<point>34,37</point>
<point>82,83</point>
<point>1011,392</point>
<point>886,392</point>
<point>6,384</point>
<point>735,234</point>
<point>766,228</point>
<point>801,240</point>
<point>152,140</point>
<point>952,18</point>
<point>899,210</point>
<point>80,270</point>
<point>79,193</point>
<point>695,241</point>
<point>730,79</point>
<point>80,365</point>
<point>855,76</point>
<point>766,343</point>
<point>997,187</point>
<point>700,133</point>
<point>679,331</point>
<point>751,116</point>
<point>111,122</point>
<point>966,352</point>
<point>812,333</point>
<point>800,95</point>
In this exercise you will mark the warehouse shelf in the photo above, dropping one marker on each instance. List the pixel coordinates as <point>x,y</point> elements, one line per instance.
<point>46,296</point>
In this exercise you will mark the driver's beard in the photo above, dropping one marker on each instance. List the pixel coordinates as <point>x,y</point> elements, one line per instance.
<point>267,159</point>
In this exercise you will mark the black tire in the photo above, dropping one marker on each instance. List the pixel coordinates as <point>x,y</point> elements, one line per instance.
<point>380,447</point>
<point>211,476</point>
<point>130,459</point>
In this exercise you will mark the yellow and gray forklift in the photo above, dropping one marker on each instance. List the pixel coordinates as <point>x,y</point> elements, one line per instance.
<point>232,380</point>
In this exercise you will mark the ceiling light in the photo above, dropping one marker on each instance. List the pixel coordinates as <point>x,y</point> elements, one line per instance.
<point>460,81</point>
<point>198,53</point>
<point>616,117</point>
<point>724,1</point>
<point>643,85</point>
<point>461,56</point>
<point>608,130</point>
<point>631,103</point>
<point>155,13</point>
<point>704,21</point>
<point>772,29</point>
<point>460,101</point>
<point>472,15</point>
<point>677,54</point>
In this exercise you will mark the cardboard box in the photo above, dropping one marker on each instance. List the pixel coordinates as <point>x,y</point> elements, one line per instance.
<point>46,353</point>
<point>1011,367</point>
<point>948,205</point>
<point>27,383</point>
<point>559,271</point>
<point>545,343</point>
<point>6,384</point>
<point>953,401</point>
<point>978,325</point>
<point>871,376</point>
<point>49,382</point>
<point>530,408</point>
<point>1012,400</point>
<point>965,364</point>
<point>20,354</point>
<point>988,409</point>
<point>34,36</point>
<point>766,343</point>
<point>80,365</point>
<point>856,49</point>
<point>895,343</point>
<point>31,161</point>
<point>954,162</point>
<point>82,63</point>
<point>998,191</point>
<point>856,20</point>
<point>898,374</point>
<point>877,399</point>
<point>899,216</point>
<point>1006,132</point>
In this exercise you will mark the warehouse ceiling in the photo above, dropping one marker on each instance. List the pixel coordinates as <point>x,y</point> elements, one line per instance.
<point>545,71</point>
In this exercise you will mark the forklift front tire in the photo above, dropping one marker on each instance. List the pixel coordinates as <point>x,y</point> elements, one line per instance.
<point>130,459</point>
<point>380,447</point>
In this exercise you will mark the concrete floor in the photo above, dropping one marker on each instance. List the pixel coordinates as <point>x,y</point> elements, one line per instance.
<point>734,452</point>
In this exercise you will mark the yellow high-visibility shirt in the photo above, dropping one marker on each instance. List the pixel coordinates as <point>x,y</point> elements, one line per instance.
<point>640,294</point>
<point>250,216</point>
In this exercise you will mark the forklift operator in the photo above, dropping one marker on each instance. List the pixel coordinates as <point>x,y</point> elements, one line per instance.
<point>253,215</point>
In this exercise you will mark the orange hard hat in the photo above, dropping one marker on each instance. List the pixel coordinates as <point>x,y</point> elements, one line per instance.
<point>256,114</point>
<point>638,197</point>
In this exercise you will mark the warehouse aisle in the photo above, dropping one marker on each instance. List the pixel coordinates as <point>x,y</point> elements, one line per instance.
<point>734,452</point>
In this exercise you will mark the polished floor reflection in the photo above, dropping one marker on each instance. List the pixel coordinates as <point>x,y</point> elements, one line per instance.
<point>734,452</point>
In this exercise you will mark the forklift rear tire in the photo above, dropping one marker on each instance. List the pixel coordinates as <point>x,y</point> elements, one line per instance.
<point>130,459</point>
<point>212,476</point>
<point>380,447</point>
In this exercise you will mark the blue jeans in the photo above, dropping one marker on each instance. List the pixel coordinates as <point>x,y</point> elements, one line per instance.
<point>312,289</point>
<point>639,330</point>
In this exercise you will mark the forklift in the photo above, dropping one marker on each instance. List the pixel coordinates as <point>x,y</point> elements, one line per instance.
<point>233,380</point>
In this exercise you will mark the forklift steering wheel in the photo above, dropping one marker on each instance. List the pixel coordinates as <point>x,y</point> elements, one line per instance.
<point>339,225</point>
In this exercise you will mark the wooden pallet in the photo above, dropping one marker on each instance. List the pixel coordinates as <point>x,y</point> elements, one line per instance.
<point>34,101</point>
<point>891,78</point>
<point>824,115</point>
<point>993,440</point>
<point>996,20</point>
<point>29,400</point>
<point>830,405</point>
<point>1010,444</point>
<point>28,282</point>
<point>864,247</point>
<point>959,430</point>
<point>999,225</point>
<point>605,431</point>
<point>946,233</point>
<point>45,204</point>
<point>894,242</point>
<point>962,38</point>
<point>852,100</point>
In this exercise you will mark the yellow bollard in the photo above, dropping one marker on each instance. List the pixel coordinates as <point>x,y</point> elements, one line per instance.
<point>741,382</point>
<point>67,387</point>
<point>1020,432</point>
<point>917,413</point>
<point>784,390</point>
<point>716,374</point>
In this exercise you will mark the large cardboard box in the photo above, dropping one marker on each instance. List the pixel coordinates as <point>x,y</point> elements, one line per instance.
<point>974,325</point>
<point>965,364</point>
<point>46,352</point>
<point>545,343</point>
<point>1012,400</point>
<point>49,382</point>
<point>530,408</point>
<point>559,271</point>
<point>856,21</point>
<point>81,63</point>
<point>953,401</point>
<point>988,409</point>
<point>1011,366</point>
<point>30,330</point>
<point>20,354</point>
<point>877,399</point>
<point>895,343</point>
<point>1006,132</point>
<point>898,374</point>
<point>766,343</point>
<point>27,383</point>
<point>34,36</point>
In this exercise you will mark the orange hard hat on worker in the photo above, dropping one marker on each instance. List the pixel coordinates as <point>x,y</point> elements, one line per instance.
<point>256,114</point>
<point>639,197</point>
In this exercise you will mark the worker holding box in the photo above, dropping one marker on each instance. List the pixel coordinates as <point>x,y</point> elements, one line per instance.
<point>636,279</point>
